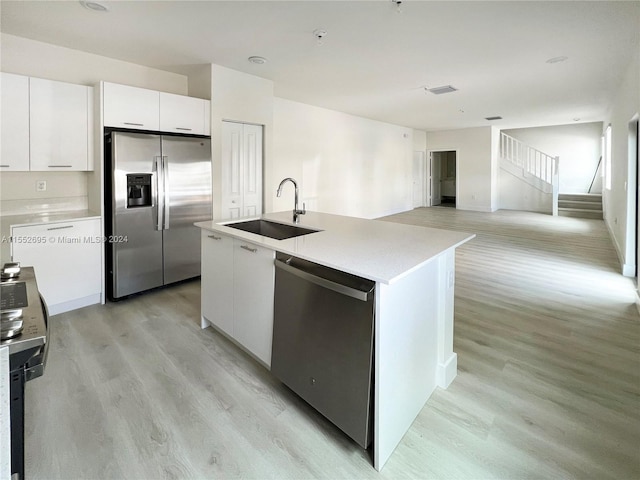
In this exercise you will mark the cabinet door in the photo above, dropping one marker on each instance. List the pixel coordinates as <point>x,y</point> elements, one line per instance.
<point>181,114</point>
<point>14,128</point>
<point>59,125</point>
<point>131,107</point>
<point>217,280</point>
<point>65,256</point>
<point>253,287</point>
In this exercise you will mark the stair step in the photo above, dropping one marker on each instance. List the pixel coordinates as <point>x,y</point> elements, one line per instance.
<point>581,197</point>
<point>579,204</point>
<point>580,213</point>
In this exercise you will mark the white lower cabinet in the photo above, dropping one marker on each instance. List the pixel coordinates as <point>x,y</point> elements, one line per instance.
<point>253,290</point>
<point>217,280</point>
<point>237,291</point>
<point>66,257</point>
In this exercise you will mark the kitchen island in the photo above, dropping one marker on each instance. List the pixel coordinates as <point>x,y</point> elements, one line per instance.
<point>414,272</point>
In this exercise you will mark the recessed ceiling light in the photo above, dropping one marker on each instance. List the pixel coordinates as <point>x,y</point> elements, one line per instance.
<point>558,59</point>
<point>258,60</point>
<point>497,117</point>
<point>95,6</point>
<point>441,90</point>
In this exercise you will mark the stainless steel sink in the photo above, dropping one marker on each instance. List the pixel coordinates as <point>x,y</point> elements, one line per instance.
<point>278,231</point>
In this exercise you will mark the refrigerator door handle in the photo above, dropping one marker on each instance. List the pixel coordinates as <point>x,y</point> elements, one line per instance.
<point>166,205</point>
<point>159,174</point>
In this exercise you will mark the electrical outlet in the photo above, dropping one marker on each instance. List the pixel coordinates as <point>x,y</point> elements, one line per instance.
<point>41,186</point>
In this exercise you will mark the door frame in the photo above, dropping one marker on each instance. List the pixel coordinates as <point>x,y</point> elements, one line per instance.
<point>632,247</point>
<point>420,156</point>
<point>430,171</point>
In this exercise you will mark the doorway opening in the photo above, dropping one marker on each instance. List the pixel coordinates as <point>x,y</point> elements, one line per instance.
<point>444,185</point>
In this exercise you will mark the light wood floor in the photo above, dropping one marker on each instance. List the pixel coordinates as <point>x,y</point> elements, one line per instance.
<point>548,385</point>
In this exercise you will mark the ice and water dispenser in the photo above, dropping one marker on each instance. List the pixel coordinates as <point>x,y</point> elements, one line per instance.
<point>139,190</point>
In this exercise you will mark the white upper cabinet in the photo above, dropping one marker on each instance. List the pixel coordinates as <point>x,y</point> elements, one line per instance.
<point>143,109</point>
<point>131,107</point>
<point>14,132</point>
<point>182,114</point>
<point>60,125</point>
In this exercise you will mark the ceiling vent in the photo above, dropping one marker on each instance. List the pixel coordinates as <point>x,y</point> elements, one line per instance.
<point>441,90</point>
<point>497,117</point>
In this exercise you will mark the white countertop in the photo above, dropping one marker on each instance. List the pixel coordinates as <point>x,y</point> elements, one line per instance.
<point>36,218</point>
<point>373,249</point>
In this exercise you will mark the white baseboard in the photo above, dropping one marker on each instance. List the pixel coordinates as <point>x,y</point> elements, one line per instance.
<point>74,304</point>
<point>627,269</point>
<point>474,208</point>
<point>447,371</point>
<point>638,300</point>
<point>204,323</point>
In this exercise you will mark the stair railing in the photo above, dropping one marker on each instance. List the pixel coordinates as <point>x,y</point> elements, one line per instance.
<point>595,174</point>
<point>532,162</point>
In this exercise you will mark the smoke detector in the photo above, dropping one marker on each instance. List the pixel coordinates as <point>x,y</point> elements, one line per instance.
<point>257,60</point>
<point>319,33</point>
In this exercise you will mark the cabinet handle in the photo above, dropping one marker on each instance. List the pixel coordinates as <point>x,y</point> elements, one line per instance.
<point>249,249</point>
<point>60,166</point>
<point>136,124</point>
<point>214,237</point>
<point>60,228</point>
<point>5,165</point>
<point>185,129</point>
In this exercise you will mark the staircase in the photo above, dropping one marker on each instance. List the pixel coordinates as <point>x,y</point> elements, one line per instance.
<point>532,166</point>
<point>581,205</point>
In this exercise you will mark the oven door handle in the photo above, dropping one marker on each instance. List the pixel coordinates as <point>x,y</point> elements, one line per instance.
<point>37,369</point>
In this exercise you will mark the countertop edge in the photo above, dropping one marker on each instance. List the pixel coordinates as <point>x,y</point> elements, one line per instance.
<point>219,226</point>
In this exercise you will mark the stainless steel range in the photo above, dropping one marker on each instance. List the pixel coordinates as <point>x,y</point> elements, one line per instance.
<point>24,332</point>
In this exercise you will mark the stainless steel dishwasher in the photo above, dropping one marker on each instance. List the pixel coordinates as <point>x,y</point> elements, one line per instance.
<point>323,341</point>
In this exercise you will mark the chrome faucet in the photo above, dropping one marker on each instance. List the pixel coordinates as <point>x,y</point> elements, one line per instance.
<point>296,210</point>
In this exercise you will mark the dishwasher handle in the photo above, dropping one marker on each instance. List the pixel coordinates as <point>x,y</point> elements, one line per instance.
<point>323,282</point>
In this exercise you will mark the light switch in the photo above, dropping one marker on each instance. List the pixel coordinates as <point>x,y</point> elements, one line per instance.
<point>41,186</point>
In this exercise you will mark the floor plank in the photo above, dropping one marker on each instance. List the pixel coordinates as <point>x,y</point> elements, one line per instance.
<point>548,386</point>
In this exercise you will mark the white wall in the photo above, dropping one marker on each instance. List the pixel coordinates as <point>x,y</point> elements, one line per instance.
<point>477,180</point>
<point>37,59</point>
<point>344,164</point>
<point>516,194</point>
<point>240,97</point>
<point>619,202</point>
<point>577,145</point>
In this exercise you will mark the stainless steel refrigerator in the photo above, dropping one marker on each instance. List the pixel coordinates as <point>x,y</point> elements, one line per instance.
<point>156,187</point>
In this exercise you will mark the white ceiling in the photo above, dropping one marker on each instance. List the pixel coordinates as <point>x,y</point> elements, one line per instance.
<point>374,61</point>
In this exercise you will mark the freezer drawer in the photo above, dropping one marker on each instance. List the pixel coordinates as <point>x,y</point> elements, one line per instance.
<point>323,341</point>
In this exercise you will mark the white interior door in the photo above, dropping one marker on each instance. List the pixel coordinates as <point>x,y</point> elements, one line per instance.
<point>436,178</point>
<point>241,170</point>
<point>231,202</point>
<point>252,170</point>
<point>418,179</point>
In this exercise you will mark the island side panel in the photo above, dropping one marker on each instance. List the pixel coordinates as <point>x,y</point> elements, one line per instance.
<point>406,354</point>
<point>447,359</point>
